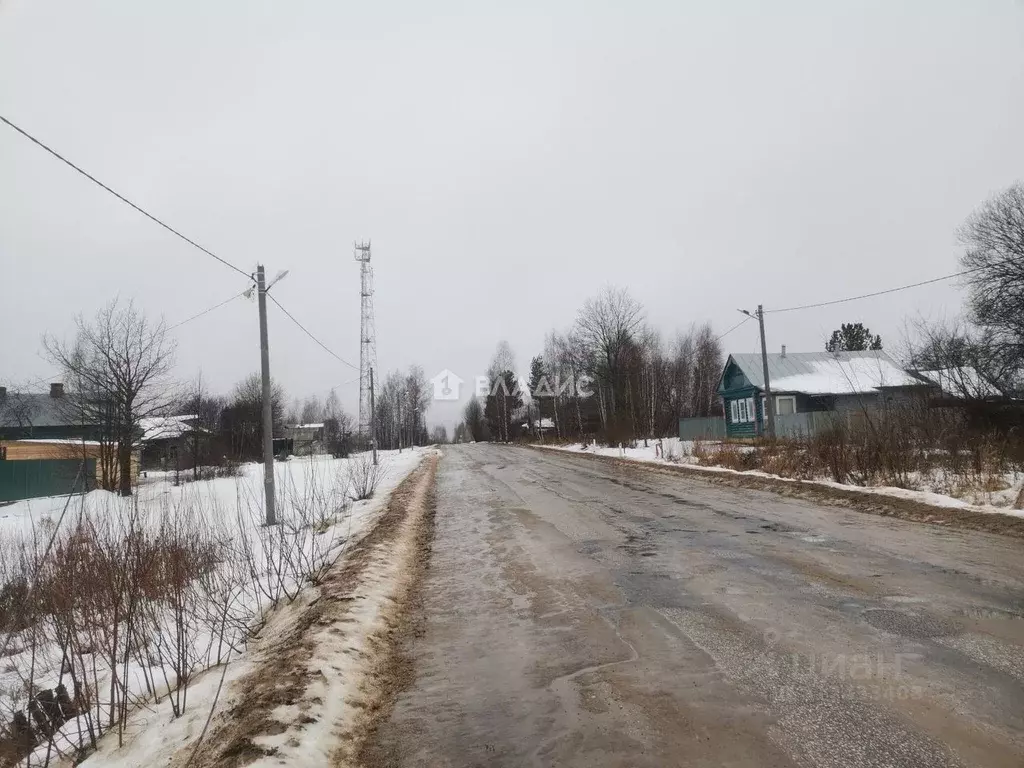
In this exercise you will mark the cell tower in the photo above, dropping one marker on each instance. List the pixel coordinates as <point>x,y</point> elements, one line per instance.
<point>367,335</point>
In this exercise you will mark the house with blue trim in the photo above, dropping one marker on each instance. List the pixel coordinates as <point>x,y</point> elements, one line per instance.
<point>810,382</point>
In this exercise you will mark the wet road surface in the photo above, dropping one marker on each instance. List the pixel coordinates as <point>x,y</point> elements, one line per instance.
<point>580,613</point>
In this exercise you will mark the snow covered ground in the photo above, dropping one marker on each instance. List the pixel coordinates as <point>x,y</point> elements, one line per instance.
<point>257,568</point>
<point>672,450</point>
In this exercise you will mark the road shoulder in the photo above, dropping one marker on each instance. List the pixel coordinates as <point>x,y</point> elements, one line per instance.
<point>848,498</point>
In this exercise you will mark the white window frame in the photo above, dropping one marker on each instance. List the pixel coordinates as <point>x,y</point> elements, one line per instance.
<point>734,411</point>
<point>780,398</point>
<point>751,410</point>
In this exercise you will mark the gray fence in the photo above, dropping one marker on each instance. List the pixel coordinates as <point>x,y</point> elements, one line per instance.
<point>712,428</point>
<point>808,424</point>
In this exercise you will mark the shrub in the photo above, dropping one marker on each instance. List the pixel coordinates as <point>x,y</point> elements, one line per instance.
<point>364,476</point>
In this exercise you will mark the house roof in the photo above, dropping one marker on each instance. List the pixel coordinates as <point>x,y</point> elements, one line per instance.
<point>22,409</point>
<point>165,427</point>
<point>964,381</point>
<point>825,373</point>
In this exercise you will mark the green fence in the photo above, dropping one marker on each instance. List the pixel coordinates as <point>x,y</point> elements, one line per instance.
<point>44,477</point>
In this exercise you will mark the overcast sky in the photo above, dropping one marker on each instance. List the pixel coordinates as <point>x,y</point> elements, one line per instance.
<point>507,160</point>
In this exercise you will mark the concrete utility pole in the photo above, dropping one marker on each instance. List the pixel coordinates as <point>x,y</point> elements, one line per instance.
<point>268,406</point>
<point>367,334</point>
<point>373,421</point>
<point>769,403</point>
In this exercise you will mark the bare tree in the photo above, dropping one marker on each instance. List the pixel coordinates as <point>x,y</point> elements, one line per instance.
<point>119,365</point>
<point>418,401</point>
<point>337,426</point>
<point>606,326</point>
<point>312,410</point>
<point>242,419</point>
<point>207,410</point>
<point>707,368</point>
<point>994,238</point>
<point>963,361</point>
<point>504,395</point>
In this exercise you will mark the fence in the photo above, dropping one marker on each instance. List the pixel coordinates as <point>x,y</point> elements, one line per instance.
<point>712,428</point>
<point>810,423</point>
<point>34,478</point>
<point>798,425</point>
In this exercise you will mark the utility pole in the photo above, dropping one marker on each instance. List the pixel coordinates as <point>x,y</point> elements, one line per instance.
<point>268,406</point>
<point>769,402</point>
<point>367,334</point>
<point>373,421</point>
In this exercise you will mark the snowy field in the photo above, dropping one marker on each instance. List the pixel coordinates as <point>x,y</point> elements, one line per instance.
<point>137,595</point>
<point>672,450</point>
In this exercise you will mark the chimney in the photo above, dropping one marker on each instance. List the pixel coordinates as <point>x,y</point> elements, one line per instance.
<point>783,350</point>
<point>57,389</point>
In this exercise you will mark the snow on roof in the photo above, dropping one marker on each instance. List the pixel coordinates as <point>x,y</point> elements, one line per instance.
<point>57,441</point>
<point>826,373</point>
<point>964,381</point>
<point>316,425</point>
<point>165,427</point>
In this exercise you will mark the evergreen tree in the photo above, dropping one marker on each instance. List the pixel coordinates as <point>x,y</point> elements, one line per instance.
<point>540,388</point>
<point>501,405</point>
<point>853,337</point>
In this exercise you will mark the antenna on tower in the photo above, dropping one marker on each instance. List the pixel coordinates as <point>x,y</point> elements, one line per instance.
<point>367,337</point>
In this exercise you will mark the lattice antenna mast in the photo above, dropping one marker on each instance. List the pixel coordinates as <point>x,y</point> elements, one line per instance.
<point>367,336</point>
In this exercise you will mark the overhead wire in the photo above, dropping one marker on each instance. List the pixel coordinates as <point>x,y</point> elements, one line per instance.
<point>741,322</point>
<point>306,331</point>
<point>876,293</point>
<point>122,198</point>
<point>207,310</point>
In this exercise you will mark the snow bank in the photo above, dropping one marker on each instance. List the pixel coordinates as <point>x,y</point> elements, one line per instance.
<point>319,519</point>
<point>673,451</point>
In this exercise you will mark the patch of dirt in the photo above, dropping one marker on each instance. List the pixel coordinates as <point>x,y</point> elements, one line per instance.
<point>391,669</point>
<point>862,501</point>
<point>283,672</point>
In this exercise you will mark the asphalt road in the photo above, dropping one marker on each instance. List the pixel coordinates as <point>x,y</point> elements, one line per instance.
<point>579,613</point>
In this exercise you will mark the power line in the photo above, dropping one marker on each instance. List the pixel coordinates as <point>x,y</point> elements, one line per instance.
<point>741,322</point>
<point>122,198</point>
<point>344,384</point>
<point>207,310</point>
<point>876,293</point>
<point>323,346</point>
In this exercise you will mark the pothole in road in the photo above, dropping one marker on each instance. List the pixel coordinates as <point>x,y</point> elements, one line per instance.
<point>917,625</point>
<point>590,547</point>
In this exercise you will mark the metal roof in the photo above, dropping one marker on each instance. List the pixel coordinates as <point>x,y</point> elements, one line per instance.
<point>823,373</point>
<point>19,409</point>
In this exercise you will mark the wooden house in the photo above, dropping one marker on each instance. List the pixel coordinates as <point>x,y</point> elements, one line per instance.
<point>809,383</point>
